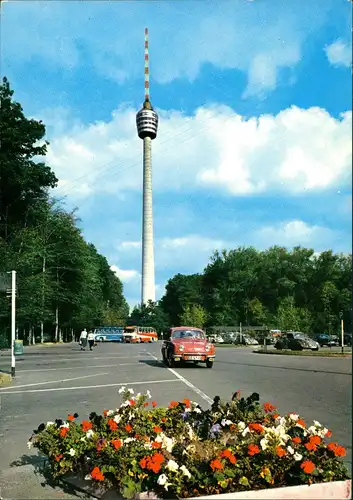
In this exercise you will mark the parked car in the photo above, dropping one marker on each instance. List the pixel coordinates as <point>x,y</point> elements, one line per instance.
<point>296,342</point>
<point>216,339</point>
<point>325,339</point>
<point>185,344</point>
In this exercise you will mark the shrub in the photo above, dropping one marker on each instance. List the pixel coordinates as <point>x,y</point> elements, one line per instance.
<point>184,451</point>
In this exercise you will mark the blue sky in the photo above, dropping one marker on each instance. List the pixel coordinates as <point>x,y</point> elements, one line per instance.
<point>254,143</point>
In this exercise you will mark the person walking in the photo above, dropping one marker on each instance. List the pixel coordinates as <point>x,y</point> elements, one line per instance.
<point>90,338</point>
<point>83,339</point>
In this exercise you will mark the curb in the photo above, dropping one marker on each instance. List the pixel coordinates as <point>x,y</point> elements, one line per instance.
<point>5,379</point>
<point>308,355</point>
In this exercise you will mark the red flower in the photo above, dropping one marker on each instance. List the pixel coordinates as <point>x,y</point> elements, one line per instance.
<point>280,452</point>
<point>269,408</point>
<point>229,455</point>
<point>187,402</point>
<point>105,412</point>
<point>132,402</point>
<point>156,445</point>
<point>63,431</point>
<point>157,429</point>
<point>128,428</point>
<point>275,416</point>
<point>310,446</point>
<point>315,440</point>
<point>145,404</point>
<point>256,427</point>
<point>253,449</point>
<point>339,451</point>
<point>216,464</point>
<point>58,457</point>
<point>86,425</point>
<point>70,418</point>
<point>117,443</point>
<point>301,422</point>
<point>158,458</point>
<point>97,474</point>
<point>173,404</point>
<point>296,440</point>
<point>112,424</point>
<point>328,434</point>
<point>154,404</point>
<point>143,463</point>
<point>153,463</point>
<point>308,466</point>
<point>163,420</point>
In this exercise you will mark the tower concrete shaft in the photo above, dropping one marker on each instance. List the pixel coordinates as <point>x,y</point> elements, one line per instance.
<point>147,125</point>
<point>148,284</point>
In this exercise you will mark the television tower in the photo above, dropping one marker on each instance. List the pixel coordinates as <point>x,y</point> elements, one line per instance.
<point>147,124</point>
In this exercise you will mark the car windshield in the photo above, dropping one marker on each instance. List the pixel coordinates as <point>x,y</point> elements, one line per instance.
<point>301,336</point>
<point>182,334</point>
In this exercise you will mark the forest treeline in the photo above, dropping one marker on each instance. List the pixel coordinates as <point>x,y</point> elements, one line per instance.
<point>63,283</point>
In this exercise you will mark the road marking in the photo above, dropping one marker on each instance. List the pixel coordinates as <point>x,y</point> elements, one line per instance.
<point>69,359</point>
<point>78,388</point>
<point>75,368</point>
<point>186,382</point>
<point>54,381</point>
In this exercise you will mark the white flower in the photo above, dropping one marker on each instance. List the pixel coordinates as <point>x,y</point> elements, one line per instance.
<point>317,424</point>
<point>72,452</point>
<point>131,391</point>
<point>30,445</point>
<point>148,446</point>
<point>297,456</point>
<point>65,425</point>
<point>294,416</point>
<point>241,426</point>
<point>110,412</point>
<point>197,410</point>
<point>245,431</point>
<point>88,477</point>
<point>312,430</point>
<point>148,394</point>
<point>129,440</point>
<point>290,450</point>
<point>50,423</point>
<point>264,444</point>
<point>167,442</point>
<point>172,465</point>
<point>225,422</point>
<point>89,433</point>
<point>163,481</point>
<point>117,418</point>
<point>122,389</point>
<point>185,471</point>
<point>83,439</point>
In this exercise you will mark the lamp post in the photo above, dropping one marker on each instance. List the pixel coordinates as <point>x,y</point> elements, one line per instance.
<point>342,331</point>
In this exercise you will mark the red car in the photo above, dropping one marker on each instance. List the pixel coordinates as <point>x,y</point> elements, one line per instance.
<point>186,343</point>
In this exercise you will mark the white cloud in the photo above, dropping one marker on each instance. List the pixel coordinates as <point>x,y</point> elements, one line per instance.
<point>258,38</point>
<point>339,53</point>
<point>126,275</point>
<point>295,151</point>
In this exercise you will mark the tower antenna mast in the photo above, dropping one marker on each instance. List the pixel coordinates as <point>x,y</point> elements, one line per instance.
<point>147,125</point>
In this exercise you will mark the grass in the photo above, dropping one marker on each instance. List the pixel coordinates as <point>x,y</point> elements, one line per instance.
<point>323,354</point>
<point>232,345</point>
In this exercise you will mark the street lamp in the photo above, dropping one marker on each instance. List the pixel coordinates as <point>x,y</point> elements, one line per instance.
<point>342,331</point>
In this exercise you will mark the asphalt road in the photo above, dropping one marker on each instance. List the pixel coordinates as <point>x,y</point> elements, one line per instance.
<point>54,381</point>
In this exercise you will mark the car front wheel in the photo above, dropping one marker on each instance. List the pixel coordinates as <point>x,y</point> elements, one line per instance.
<point>209,364</point>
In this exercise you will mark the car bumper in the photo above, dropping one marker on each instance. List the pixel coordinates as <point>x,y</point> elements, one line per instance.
<point>193,356</point>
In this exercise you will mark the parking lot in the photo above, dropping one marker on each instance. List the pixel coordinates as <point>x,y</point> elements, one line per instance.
<point>54,381</point>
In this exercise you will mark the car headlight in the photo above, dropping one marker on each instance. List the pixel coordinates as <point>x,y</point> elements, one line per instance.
<point>181,348</point>
<point>208,347</point>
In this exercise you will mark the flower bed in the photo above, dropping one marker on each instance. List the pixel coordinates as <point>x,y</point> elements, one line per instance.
<point>184,451</point>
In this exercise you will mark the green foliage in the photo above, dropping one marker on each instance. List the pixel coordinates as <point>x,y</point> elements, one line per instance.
<point>63,283</point>
<point>194,315</point>
<point>278,288</point>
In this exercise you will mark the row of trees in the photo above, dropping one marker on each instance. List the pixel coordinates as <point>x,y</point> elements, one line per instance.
<point>63,283</point>
<point>296,289</point>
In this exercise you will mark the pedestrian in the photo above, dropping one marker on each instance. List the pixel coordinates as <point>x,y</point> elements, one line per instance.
<point>90,338</point>
<point>83,339</point>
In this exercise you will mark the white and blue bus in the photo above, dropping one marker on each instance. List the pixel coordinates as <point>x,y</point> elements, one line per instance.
<point>109,334</point>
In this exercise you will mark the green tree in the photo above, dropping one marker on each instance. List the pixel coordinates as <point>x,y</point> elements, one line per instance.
<point>193,315</point>
<point>181,290</point>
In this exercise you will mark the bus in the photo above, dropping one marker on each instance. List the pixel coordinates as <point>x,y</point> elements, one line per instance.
<point>139,334</point>
<point>109,334</point>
